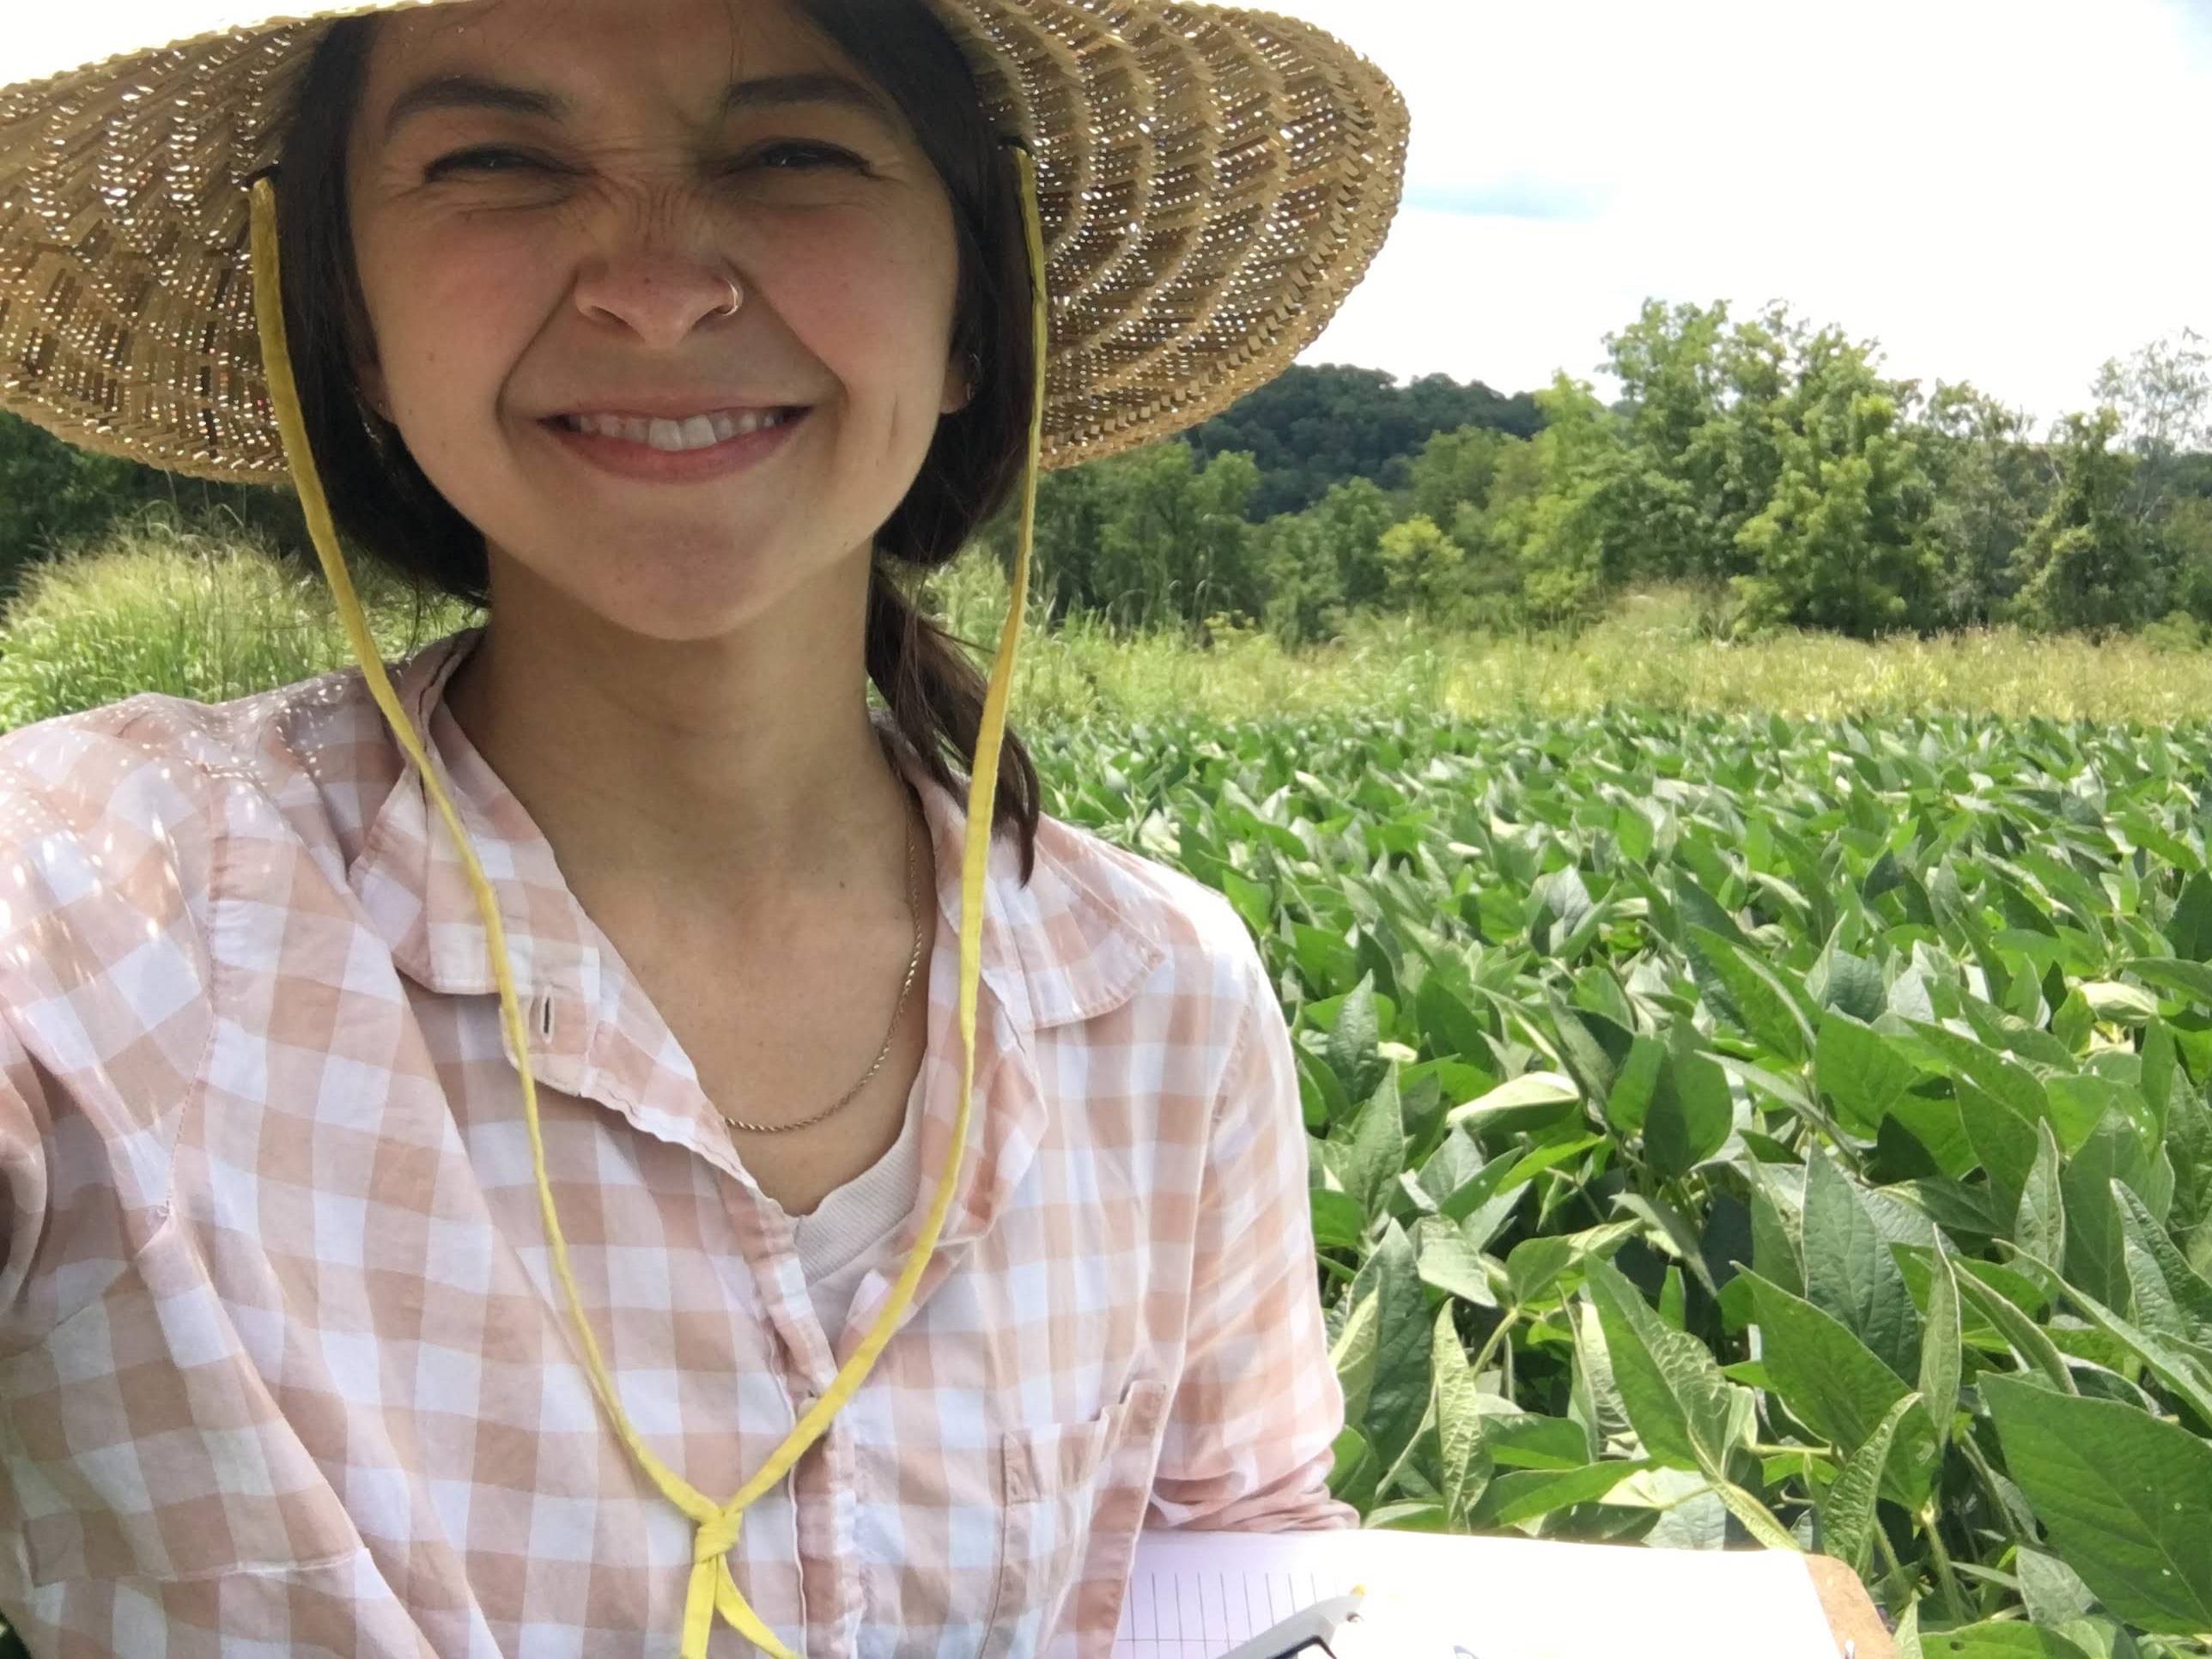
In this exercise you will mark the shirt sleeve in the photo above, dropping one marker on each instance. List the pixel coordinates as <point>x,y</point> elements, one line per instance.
<point>106,859</point>
<point>1248,1442</point>
<point>23,1163</point>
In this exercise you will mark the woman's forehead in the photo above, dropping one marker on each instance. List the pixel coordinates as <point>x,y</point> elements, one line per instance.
<point>686,49</point>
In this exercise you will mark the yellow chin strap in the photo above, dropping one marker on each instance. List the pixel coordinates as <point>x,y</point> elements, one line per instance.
<point>712,1589</point>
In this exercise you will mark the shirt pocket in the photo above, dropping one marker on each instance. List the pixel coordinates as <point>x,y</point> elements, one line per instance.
<point>140,1441</point>
<point>1056,1484</point>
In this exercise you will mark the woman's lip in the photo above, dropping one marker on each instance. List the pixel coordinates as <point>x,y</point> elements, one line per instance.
<point>644,464</point>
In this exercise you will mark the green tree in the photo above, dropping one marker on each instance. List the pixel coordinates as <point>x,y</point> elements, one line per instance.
<point>1843,540</point>
<point>1145,538</point>
<point>1455,469</point>
<point>1990,484</point>
<point>1316,426</point>
<point>2086,563</point>
<point>1322,563</point>
<point>1420,566</point>
<point>1698,463</point>
<point>1545,521</point>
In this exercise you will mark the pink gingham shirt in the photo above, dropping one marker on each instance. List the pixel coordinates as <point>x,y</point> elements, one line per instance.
<point>283,1370</point>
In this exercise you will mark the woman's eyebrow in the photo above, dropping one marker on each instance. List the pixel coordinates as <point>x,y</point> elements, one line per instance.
<point>463,91</point>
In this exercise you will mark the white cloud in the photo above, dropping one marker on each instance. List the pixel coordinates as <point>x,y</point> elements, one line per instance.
<point>2007,193</point>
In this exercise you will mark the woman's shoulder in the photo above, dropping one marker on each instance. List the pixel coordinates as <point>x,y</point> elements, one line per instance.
<point>1192,937</point>
<point>153,780</point>
<point>158,733</point>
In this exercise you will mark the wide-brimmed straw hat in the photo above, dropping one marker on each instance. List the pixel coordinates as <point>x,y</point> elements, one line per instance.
<point>1212,183</point>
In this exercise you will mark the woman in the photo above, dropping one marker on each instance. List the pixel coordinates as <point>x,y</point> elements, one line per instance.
<point>673,329</point>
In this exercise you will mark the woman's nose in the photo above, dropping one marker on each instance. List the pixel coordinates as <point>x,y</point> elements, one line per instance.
<point>659,295</point>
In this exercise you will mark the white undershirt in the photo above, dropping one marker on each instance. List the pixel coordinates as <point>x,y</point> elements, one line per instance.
<point>836,1240</point>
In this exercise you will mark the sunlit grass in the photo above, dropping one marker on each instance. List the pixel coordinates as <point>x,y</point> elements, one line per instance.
<point>160,608</point>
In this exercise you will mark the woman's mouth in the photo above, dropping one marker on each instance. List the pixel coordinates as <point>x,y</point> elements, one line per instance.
<point>657,449</point>
<point>675,437</point>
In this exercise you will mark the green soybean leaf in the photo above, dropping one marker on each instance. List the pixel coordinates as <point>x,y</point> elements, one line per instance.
<point>2188,981</point>
<point>1447,1260</point>
<point>1524,1104</point>
<point>1338,1219</point>
<point>1849,1273</point>
<point>1369,1162</point>
<point>1466,1462</point>
<point>1448,1025</point>
<point>1399,1398</point>
<point>1941,1347</point>
<point>2005,1142</point>
<point>1591,1046</point>
<point>1527,1493</point>
<point>2040,1227</point>
<point>2188,1292</point>
<point>1320,1093</point>
<point>1524,1440</point>
<point>1691,1114</point>
<point>1758,1520</point>
<point>2190,931</point>
<point>2186,1375</point>
<point>1536,1267</point>
<point>1354,1354</point>
<point>1669,1230</point>
<point>1353,1475</point>
<point>1634,1084</point>
<point>1908,1645</point>
<point>2029,1342</point>
<point>1777,1247</point>
<point>2126,1498</point>
<point>1849,984</point>
<point>1861,1071</point>
<point>2095,1259</point>
<point>1847,1513</point>
<point>1836,1387</point>
<point>1355,1040</point>
<point>2000,1639</point>
<point>1753,999</point>
<point>2052,1591</point>
<point>1594,1399</point>
<point>1989,1070</point>
<point>1686,1414</point>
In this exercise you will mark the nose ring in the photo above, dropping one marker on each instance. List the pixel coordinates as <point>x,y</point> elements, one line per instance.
<point>737,298</point>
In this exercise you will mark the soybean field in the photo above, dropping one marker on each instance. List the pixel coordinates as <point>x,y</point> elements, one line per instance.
<point>1732,1131</point>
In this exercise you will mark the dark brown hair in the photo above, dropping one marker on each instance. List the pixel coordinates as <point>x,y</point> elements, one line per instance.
<point>386,507</point>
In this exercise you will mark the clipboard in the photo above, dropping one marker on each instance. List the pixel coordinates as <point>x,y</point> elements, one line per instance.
<point>1206,1596</point>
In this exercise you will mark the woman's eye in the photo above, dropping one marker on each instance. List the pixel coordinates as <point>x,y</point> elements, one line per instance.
<point>795,154</point>
<point>484,159</point>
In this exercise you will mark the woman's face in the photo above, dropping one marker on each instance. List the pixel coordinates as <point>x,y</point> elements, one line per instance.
<point>555,204</point>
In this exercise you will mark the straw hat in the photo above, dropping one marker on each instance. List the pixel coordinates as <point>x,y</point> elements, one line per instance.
<point>1212,183</point>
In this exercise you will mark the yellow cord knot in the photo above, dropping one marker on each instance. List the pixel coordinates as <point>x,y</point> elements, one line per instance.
<point>713,1590</point>
<point>717,1537</point>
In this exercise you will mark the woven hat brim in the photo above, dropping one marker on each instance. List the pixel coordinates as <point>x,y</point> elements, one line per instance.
<point>1213,181</point>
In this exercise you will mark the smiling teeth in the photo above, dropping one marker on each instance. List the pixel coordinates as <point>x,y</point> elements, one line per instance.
<point>699,432</point>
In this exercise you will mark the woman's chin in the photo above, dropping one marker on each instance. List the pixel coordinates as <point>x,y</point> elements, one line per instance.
<point>665,598</point>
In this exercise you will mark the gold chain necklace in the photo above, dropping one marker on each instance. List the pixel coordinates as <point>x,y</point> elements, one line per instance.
<point>913,962</point>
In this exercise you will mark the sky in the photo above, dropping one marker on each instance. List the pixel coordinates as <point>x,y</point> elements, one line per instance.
<point>2002,192</point>
<point>2006,193</point>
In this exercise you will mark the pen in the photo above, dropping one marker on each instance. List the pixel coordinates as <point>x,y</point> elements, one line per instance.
<point>1306,1632</point>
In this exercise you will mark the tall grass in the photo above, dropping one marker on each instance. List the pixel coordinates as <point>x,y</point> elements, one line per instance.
<point>158,607</point>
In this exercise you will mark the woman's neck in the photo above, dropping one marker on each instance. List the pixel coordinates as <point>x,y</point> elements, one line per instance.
<point>739,776</point>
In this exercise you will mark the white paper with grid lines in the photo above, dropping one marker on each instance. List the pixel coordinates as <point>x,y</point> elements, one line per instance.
<point>1197,1594</point>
